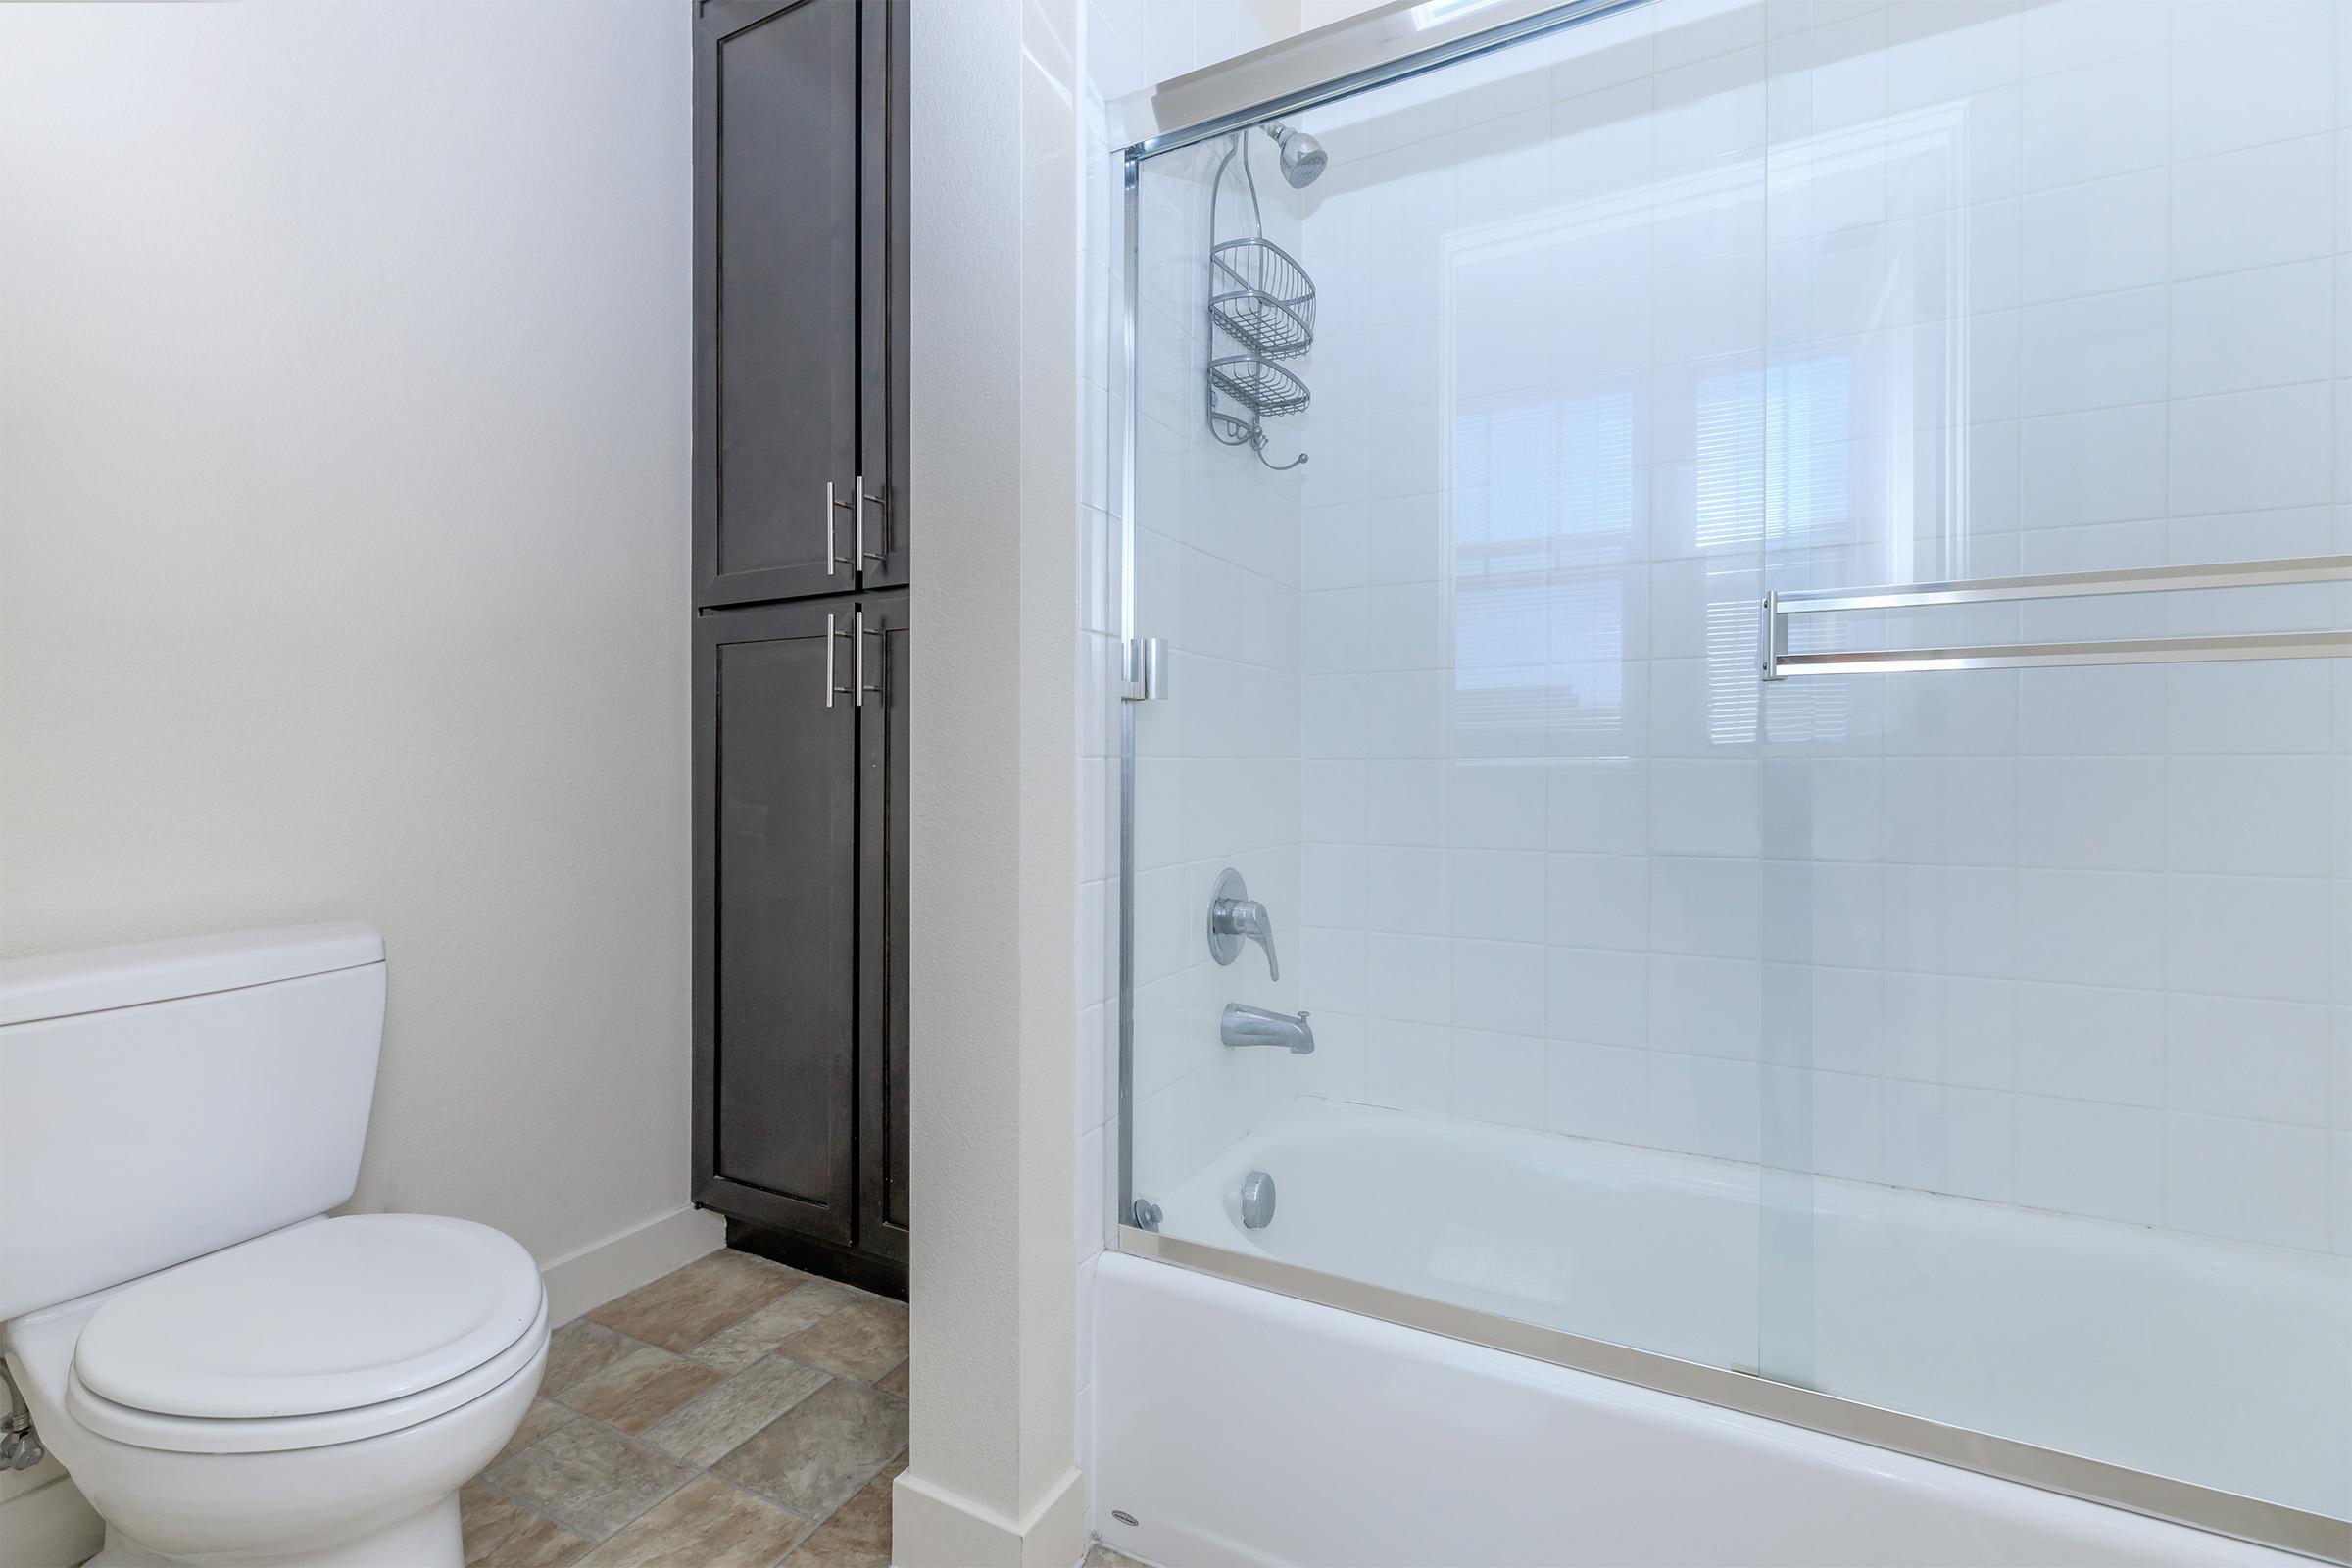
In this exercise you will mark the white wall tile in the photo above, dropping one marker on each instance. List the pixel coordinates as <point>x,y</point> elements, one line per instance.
<point>2094,121</point>
<point>2091,1158</point>
<point>2255,208</point>
<point>2092,813</point>
<point>2266,80</point>
<point>1707,906</point>
<point>2238,331</point>
<point>1499,895</point>
<point>2108,464</point>
<point>2093,927</point>
<point>1598,901</point>
<point>1701,806</point>
<point>2090,1043</point>
<point>1408,1066</point>
<point>2250,449</point>
<point>2254,816</point>
<point>1499,1077</point>
<point>2237,1056</point>
<point>2089,238</point>
<point>2094,351</point>
<point>1597,1091</point>
<point>1706,1007</point>
<point>1500,986</point>
<point>1704,1105</point>
<point>2251,937</point>
<point>2255,1180</point>
<point>1595,997</point>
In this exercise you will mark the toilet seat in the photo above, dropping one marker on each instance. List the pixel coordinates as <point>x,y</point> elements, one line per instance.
<point>326,1332</point>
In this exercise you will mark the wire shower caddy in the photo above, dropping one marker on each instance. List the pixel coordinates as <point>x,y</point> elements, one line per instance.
<point>1261,299</point>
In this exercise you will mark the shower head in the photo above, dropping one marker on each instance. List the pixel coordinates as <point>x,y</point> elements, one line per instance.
<point>1303,156</point>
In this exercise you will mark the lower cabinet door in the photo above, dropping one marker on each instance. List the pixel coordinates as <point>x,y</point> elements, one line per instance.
<point>882,1089</point>
<point>777,862</point>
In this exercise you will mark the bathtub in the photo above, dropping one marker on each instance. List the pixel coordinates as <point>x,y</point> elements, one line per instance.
<point>1241,1425</point>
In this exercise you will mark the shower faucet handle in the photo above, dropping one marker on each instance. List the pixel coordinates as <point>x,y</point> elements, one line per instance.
<point>1234,917</point>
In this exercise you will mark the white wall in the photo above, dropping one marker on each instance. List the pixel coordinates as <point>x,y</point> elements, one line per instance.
<point>343,546</point>
<point>992,1473</point>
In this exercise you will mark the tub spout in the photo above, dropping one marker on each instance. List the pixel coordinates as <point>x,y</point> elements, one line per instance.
<point>1245,1025</point>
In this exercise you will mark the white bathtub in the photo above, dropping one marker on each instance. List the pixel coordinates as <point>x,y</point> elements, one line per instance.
<point>1236,1425</point>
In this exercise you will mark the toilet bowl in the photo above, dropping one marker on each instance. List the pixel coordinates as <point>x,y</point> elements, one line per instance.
<point>230,1377</point>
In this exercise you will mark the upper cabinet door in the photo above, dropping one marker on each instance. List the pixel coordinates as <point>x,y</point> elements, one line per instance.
<point>779,338</point>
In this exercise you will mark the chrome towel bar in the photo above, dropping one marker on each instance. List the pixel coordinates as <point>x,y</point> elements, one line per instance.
<point>1775,662</point>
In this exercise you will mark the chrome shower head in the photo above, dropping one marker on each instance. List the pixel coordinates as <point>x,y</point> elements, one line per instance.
<point>1303,156</point>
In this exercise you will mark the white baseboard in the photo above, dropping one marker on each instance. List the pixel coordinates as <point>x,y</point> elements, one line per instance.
<point>933,1528</point>
<point>49,1527</point>
<point>618,1264</point>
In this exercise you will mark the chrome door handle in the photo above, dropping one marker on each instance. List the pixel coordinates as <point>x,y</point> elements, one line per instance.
<point>834,504</point>
<point>857,507</point>
<point>857,661</point>
<point>856,689</point>
<point>831,690</point>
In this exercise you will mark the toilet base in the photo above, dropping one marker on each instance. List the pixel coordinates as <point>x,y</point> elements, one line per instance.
<point>430,1539</point>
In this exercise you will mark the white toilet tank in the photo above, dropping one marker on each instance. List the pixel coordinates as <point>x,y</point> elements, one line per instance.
<point>164,1099</point>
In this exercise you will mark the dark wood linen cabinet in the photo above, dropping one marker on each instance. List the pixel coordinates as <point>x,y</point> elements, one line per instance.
<point>802,639</point>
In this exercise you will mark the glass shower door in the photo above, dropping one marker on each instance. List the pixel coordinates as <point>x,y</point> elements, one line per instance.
<point>1463,701</point>
<point>2058,767</point>
<point>1787,753</point>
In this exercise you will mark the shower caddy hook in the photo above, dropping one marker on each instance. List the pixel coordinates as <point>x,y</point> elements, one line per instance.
<point>1262,298</point>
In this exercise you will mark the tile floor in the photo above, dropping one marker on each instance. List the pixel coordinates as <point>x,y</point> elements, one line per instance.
<point>734,1415</point>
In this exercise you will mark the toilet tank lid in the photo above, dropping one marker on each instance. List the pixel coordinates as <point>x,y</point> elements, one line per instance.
<point>60,985</point>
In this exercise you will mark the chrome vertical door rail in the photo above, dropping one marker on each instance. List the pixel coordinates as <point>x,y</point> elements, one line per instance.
<point>1774,660</point>
<point>1125,1213</point>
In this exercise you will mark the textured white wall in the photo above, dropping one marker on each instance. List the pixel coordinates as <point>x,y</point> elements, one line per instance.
<point>343,546</point>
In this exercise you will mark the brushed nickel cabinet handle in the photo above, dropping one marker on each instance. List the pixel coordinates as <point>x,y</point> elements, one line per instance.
<point>864,555</point>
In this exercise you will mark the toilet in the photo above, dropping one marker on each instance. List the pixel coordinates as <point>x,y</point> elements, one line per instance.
<point>229,1376</point>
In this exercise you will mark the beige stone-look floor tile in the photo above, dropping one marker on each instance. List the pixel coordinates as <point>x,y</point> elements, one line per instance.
<point>1101,1556</point>
<point>543,1417</point>
<point>898,1382</point>
<point>703,1524</point>
<point>640,1388</point>
<point>500,1534</point>
<point>864,1341</point>
<point>858,1536</point>
<point>816,1455</point>
<point>680,1310</point>
<point>588,1478</point>
<point>713,1426</point>
<point>739,1344</point>
<point>576,1350</point>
